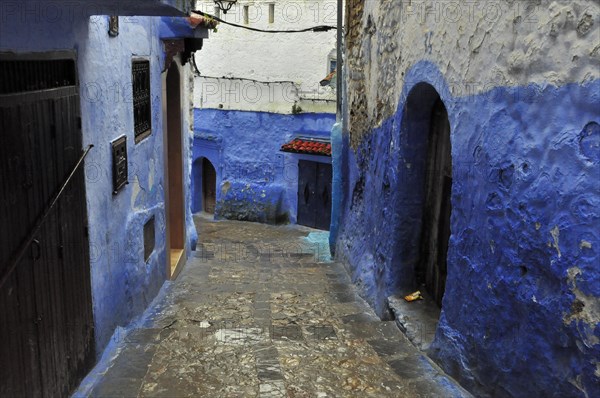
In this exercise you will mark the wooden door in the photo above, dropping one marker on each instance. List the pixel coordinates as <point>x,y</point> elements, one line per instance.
<point>46,321</point>
<point>209,187</point>
<point>432,270</point>
<point>323,196</point>
<point>314,194</point>
<point>174,170</point>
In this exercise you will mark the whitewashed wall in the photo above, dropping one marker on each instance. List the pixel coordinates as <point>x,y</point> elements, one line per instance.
<point>300,60</point>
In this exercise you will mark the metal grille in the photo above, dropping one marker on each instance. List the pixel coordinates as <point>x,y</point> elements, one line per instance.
<point>142,111</point>
<point>19,76</point>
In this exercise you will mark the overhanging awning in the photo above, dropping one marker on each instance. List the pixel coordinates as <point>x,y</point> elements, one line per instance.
<point>309,146</point>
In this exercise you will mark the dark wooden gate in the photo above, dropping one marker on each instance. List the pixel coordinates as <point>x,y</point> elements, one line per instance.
<point>314,194</point>
<point>209,186</point>
<point>46,323</point>
<point>432,269</point>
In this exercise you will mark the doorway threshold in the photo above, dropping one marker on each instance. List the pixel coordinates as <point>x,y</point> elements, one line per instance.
<point>418,320</point>
<point>177,262</point>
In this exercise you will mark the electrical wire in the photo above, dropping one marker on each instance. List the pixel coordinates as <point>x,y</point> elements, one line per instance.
<point>246,79</point>
<point>198,74</point>
<point>320,28</point>
<point>316,99</point>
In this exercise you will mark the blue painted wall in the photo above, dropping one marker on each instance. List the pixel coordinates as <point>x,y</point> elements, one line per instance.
<point>122,283</point>
<point>520,315</point>
<point>255,181</point>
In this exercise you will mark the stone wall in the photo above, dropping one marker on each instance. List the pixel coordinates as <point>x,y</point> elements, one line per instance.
<point>520,81</point>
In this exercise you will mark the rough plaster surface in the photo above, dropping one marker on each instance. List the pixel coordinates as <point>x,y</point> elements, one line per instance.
<point>520,313</point>
<point>476,45</point>
<point>239,53</point>
<point>255,181</point>
<point>122,283</point>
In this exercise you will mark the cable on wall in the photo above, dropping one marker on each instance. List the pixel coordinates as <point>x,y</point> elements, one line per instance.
<point>246,79</point>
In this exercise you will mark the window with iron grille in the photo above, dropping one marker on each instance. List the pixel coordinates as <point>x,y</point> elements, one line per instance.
<point>142,109</point>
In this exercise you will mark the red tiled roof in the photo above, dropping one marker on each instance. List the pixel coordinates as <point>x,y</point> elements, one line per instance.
<point>308,146</point>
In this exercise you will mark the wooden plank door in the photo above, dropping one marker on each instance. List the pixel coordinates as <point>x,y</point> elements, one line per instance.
<point>323,196</point>
<point>307,187</point>
<point>46,307</point>
<point>18,311</point>
<point>314,194</point>
<point>432,269</point>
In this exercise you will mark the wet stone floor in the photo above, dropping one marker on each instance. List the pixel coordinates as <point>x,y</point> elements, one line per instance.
<point>259,311</point>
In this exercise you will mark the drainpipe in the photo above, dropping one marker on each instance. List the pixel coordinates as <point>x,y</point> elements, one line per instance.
<point>336,138</point>
<point>340,57</point>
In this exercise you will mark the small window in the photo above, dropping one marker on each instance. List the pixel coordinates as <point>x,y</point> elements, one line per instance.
<point>332,65</point>
<point>332,61</point>
<point>272,13</point>
<point>246,15</point>
<point>142,109</point>
<point>149,238</point>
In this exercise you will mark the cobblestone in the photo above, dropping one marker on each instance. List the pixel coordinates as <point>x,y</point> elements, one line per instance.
<point>255,313</point>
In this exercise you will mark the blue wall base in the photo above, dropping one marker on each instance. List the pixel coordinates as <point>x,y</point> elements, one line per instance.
<point>519,315</point>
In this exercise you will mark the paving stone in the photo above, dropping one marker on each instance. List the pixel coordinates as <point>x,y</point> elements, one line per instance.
<point>388,348</point>
<point>345,297</point>
<point>340,287</point>
<point>321,332</point>
<point>119,387</point>
<point>360,317</point>
<point>254,314</point>
<point>289,332</point>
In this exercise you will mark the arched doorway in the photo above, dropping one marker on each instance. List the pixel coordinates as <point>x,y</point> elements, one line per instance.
<point>209,187</point>
<point>174,164</point>
<point>425,142</point>
<point>435,232</point>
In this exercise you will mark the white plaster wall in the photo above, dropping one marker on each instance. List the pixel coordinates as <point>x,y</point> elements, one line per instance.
<point>532,42</point>
<point>300,59</point>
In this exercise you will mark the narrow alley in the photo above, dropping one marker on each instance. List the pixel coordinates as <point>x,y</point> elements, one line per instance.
<point>299,198</point>
<point>259,311</point>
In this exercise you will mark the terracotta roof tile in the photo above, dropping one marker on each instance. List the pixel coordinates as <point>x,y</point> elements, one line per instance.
<point>308,146</point>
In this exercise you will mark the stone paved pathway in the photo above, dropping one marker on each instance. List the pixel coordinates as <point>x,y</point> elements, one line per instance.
<point>258,313</point>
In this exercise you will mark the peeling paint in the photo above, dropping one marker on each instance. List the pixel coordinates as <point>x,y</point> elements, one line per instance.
<point>585,245</point>
<point>585,308</point>
<point>555,234</point>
